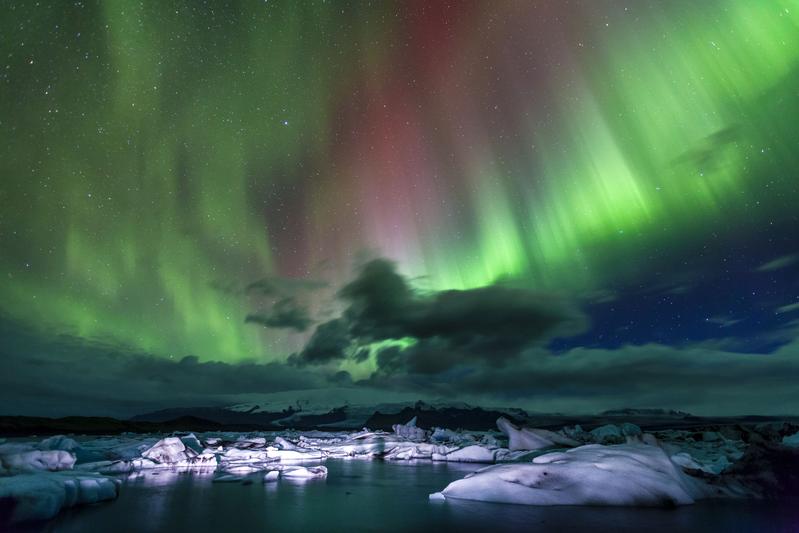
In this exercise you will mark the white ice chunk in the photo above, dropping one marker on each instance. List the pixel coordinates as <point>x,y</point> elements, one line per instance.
<point>295,455</point>
<point>471,454</point>
<point>173,452</point>
<point>304,472</point>
<point>531,439</point>
<point>248,455</point>
<point>627,474</point>
<point>15,460</point>
<point>410,431</point>
<point>170,450</point>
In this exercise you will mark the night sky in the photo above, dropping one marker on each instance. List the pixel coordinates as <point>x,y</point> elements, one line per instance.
<point>567,206</point>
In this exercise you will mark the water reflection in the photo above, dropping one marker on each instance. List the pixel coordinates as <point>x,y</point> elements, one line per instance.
<point>159,477</point>
<point>377,495</point>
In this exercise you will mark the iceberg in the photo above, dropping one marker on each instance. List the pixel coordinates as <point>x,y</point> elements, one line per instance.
<point>170,450</point>
<point>625,474</point>
<point>17,459</point>
<point>410,431</point>
<point>41,495</point>
<point>470,454</point>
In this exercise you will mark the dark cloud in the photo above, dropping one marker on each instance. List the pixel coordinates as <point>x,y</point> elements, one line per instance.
<point>328,343</point>
<point>49,375</point>
<point>493,323</point>
<point>286,314</point>
<point>342,377</point>
<point>380,302</point>
<point>697,379</point>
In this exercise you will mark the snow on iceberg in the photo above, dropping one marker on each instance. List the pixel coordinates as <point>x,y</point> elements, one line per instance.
<point>625,474</point>
<point>17,459</point>
<point>41,495</point>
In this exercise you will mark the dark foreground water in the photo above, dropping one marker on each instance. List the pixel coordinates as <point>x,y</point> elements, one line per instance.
<point>377,496</point>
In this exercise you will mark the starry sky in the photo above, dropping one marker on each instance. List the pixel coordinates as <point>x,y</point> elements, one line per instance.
<point>533,203</point>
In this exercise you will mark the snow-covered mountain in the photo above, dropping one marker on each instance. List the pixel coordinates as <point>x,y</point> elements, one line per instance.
<point>337,408</point>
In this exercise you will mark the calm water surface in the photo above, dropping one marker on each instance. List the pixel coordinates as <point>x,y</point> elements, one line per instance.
<point>378,496</point>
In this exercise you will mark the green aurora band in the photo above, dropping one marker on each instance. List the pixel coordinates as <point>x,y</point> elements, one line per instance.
<point>151,153</point>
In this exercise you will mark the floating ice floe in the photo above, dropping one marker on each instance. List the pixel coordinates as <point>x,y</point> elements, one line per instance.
<point>711,452</point>
<point>625,474</point>
<point>42,495</point>
<point>302,472</point>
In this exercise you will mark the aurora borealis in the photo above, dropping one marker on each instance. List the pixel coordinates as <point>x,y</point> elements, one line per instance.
<point>202,178</point>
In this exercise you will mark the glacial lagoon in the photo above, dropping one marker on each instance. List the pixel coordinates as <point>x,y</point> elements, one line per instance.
<point>363,495</point>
